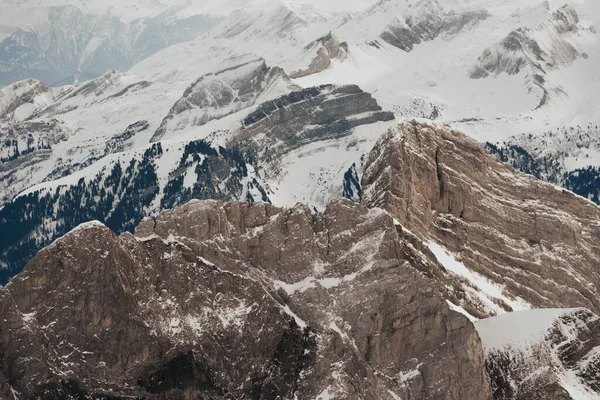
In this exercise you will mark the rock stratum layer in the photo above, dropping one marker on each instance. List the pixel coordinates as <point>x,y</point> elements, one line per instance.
<point>521,242</point>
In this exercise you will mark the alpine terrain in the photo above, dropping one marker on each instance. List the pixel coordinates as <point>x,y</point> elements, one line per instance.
<point>299,199</point>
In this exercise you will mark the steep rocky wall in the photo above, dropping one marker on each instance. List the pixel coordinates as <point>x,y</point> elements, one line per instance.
<point>301,117</point>
<point>325,49</point>
<point>537,244</point>
<point>218,300</point>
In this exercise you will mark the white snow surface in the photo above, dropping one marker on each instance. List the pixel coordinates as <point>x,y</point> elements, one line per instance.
<point>486,291</point>
<point>517,329</point>
<point>435,74</point>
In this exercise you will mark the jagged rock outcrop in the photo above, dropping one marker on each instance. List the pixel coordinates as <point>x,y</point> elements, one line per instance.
<point>328,48</point>
<point>19,94</point>
<point>302,143</point>
<point>242,171</point>
<point>526,47</point>
<point>506,242</point>
<point>425,21</point>
<point>525,243</point>
<point>543,354</point>
<point>123,141</point>
<point>222,93</point>
<point>547,47</point>
<point>301,117</point>
<point>216,300</point>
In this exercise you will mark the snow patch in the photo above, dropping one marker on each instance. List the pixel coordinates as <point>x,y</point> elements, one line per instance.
<point>487,290</point>
<point>517,329</point>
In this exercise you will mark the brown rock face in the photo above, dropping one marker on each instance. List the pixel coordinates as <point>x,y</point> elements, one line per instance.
<point>535,245</point>
<point>216,300</point>
<point>328,48</point>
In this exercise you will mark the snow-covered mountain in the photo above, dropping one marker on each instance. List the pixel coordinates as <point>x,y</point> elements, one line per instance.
<point>60,45</point>
<point>493,69</point>
<point>120,110</point>
<point>551,348</point>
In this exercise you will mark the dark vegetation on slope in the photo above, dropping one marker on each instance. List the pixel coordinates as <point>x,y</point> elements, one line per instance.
<point>120,199</point>
<point>582,181</point>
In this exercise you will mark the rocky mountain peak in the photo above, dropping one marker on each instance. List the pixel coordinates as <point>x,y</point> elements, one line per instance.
<point>225,92</point>
<point>251,300</point>
<point>443,187</point>
<point>208,295</point>
<point>328,48</point>
<point>536,50</point>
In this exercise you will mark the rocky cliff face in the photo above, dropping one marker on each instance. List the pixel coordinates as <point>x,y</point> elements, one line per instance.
<point>498,241</point>
<point>218,300</point>
<point>301,117</point>
<point>323,52</point>
<point>19,94</point>
<point>528,243</point>
<point>247,169</point>
<point>425,21</point>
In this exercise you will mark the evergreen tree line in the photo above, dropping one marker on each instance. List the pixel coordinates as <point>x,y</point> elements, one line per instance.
<point>119,199</point>
<point>583,181</point>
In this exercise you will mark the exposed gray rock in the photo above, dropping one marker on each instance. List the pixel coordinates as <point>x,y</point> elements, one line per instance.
<point>222,93</point>
<point>14,96</point>
<point>119,142</point>
<point>301,117</point>
<point>216,301</point>
<point>425,21</point>
<point>523,48</point>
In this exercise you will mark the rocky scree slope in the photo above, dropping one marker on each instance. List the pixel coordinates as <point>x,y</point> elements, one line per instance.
<point>214,300</point>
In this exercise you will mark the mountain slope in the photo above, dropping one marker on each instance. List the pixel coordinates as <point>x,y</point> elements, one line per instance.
<point>252,301</point>
<point>123,187</point>
<point>69,45</point>
<point>515,242</point>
